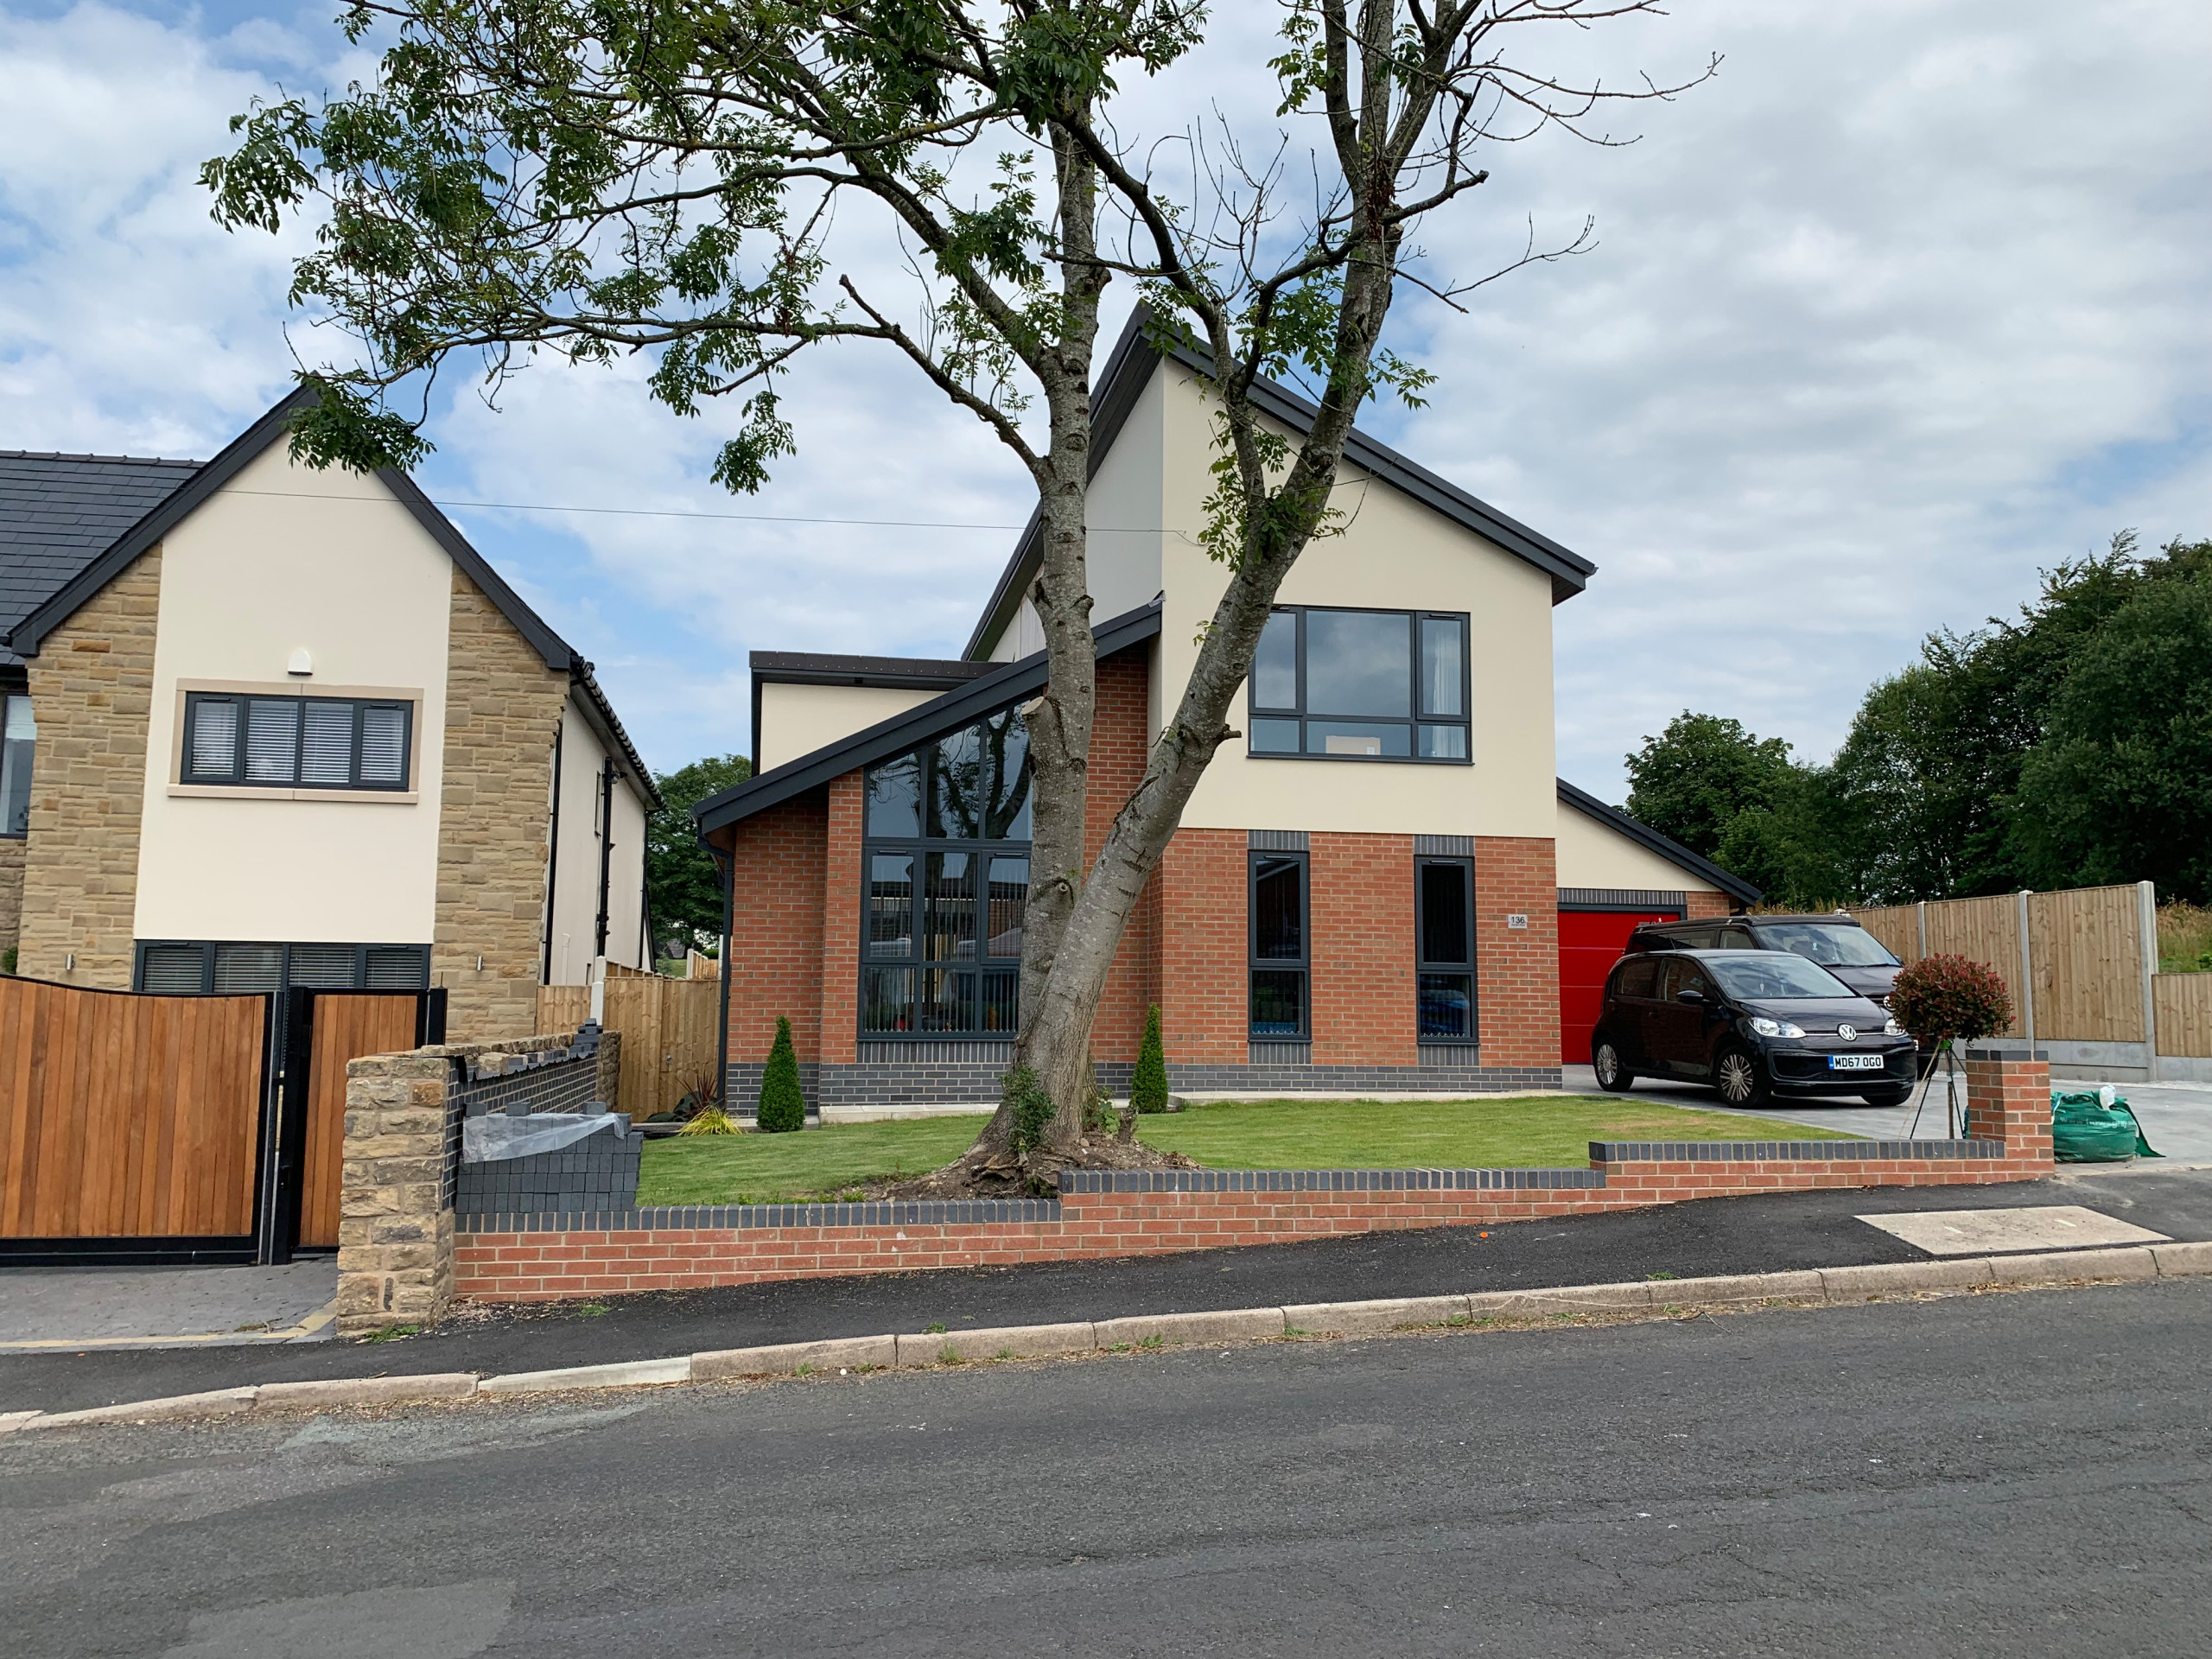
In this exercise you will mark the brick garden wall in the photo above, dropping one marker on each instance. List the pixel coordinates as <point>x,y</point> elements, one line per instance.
<point>91,690</point>
<point>1516,970</point>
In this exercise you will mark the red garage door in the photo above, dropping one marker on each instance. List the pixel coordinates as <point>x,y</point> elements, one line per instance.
<point>1590,942</point>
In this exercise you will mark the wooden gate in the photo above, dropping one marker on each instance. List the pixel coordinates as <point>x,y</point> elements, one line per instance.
<point>324,1030</point>
<point>129,1125</point>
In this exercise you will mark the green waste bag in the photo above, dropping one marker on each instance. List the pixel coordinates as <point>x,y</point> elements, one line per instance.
<point>2095,1125</point>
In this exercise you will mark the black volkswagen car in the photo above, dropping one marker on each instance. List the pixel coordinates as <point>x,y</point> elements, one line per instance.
<point>1834,941</point>
<point>1752,1023</point>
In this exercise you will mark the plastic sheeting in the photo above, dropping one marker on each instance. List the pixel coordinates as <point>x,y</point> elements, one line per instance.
<point>2095,1125</point>
<point>497,1137</point>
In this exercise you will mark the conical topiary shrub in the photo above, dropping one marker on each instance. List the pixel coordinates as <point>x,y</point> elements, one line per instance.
<point>1148,1087</point>
<point>782,1104</point>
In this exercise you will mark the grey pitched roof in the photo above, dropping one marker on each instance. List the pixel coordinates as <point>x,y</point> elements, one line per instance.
<point>58,513</point>
<point>1130,366</point>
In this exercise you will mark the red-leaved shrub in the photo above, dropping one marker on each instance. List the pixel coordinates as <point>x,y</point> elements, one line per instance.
<point>1943,998</point>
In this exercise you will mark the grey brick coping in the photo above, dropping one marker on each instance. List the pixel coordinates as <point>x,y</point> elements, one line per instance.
<point>1770,1151</point>
<point>1323,1180</point>
<point>679,1218</point>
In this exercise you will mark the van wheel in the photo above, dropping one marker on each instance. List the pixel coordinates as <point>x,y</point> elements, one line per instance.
<point>1740,1078</point>
<point>1605,1060</point>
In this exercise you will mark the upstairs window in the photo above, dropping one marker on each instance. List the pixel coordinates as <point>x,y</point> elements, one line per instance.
<point>18,735</point>
<point>945,882</point>
<point>279,742</point>
<point>1360,685</point>
<point>210,967</point>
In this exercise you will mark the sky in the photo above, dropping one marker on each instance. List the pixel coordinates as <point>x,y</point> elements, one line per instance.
<point>1907,303</point>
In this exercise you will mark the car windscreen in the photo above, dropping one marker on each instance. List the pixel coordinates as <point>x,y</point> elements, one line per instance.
<point>1770,974</point>
<point>1834,944</point>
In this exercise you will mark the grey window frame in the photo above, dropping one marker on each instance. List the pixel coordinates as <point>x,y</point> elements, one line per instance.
<point>1413,722</point>
<point>1424,965</point>
<point>9,695</point>
<point>238,777</point>
<point>914,962</point>
<point>1303,966</point>
<point>208,949</point>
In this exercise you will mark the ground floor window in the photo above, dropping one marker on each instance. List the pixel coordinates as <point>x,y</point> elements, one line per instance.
<point>1444,942</point>
<point>18,737</point>
<point>222,967</point>
<point>1278,961</point>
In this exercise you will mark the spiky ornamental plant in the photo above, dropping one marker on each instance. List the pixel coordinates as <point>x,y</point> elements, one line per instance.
<point>1148,1087</point>
<point>644,177</point>
<point>783,1104</point>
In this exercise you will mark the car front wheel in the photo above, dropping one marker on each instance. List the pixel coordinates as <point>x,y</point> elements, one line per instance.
<point>1613,1077</point>
<point>1740,1078</point>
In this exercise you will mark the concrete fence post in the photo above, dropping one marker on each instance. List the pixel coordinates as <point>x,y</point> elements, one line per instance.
<point>2027,973</point>
<point>2008,1100</point>
<point>2146,935</point>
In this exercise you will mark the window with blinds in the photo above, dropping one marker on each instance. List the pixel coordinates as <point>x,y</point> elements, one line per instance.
<point>224,968</point>
<point>280,742</point>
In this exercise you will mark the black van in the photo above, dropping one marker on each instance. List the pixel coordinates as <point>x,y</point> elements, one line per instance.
<point>1834,941</point>
<point>1752,1023</point>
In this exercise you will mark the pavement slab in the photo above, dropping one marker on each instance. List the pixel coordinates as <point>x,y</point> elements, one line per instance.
<point>1988,1232</point>
<point>93,1308</point>
<point>1709,1238</point>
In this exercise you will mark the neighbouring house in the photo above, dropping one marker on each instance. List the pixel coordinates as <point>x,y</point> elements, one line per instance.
<point>1378,887</point>
<point>269,726</point>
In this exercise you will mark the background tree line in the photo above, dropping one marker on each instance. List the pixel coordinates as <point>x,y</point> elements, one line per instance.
<point>2070,747</point>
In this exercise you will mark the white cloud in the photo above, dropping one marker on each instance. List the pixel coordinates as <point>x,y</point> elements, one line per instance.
<point>1906,303</point>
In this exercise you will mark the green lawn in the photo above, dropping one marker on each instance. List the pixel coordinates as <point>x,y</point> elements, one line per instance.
<point>1520,1132</point>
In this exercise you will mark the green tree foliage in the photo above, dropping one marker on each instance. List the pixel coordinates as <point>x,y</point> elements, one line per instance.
<point>782,1103</point>
<point>1692,780</point>
<point>1148,1086</point>
<point>683,886</point>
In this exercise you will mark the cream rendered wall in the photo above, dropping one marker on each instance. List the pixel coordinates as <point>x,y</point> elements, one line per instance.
<point>796,720</point>
<point>575,866</point>
<point>284,558</point>
<point>1395,554</point>
<point>625,888</point>
<point>1594,854</point>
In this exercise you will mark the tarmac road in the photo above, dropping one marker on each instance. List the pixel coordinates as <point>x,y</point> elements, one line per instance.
<point>1999,1474</point>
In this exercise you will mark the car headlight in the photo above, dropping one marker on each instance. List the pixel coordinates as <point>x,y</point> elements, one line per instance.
<point>1893,1029</point>
<point>1767,1027</point>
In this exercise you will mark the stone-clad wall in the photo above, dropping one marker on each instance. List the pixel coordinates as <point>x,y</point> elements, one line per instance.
<point>400,1167</point>
<point>11,891</point>
<point>91,690</point>
<point>503,712</point>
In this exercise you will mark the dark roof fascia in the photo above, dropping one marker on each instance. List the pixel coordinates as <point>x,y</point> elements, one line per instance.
<point>599,714</point>
<point>1668,848</point>
<point>897,673</point>
<point>917,726</point>
<point>29,634</point>
<point>1130,367</point>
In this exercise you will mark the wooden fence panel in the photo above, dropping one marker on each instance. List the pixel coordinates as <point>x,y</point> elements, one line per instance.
<point>2087,954</point>
<point>668,1027</point>
<point>1988,930</point>
<point>345,1028</point>
<point>1897,927</point>
<point>2183,1005</point>
<point>128,1116</point>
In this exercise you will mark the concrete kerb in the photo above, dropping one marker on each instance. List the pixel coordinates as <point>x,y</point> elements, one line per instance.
<point>1835,1287</point>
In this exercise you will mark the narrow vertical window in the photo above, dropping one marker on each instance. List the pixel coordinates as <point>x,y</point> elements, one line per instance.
<point>1279,946</point>
<point>18,737</point>
<point>1444,904</point>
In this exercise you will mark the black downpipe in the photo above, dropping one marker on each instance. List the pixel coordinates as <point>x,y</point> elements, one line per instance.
<point>553,854</point>
<point>606,849</point>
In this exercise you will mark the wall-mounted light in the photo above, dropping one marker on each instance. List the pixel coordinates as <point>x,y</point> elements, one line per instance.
<point>302,665</point>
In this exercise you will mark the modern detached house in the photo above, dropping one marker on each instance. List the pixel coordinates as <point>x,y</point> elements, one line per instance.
<point>1372,889</point>
<point>269,726</point>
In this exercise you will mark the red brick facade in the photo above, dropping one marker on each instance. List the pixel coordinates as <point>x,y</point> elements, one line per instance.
<point>1702,902</point>
<point>1119,742</point>
<point>776,929</point>
<point>1362,949</point>
<point>1204,947</point>
<point>841,921</point>
<point>1516,968</point>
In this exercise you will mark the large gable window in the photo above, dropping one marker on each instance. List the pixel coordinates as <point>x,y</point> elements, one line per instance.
<point>279,742</point>
<point>18,737</point>
<point>944,881</point>
<point>1360,685</point>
